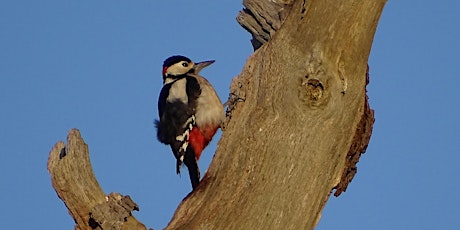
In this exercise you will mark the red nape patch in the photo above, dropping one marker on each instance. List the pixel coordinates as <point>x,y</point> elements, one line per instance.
<point>164,70</point>
<point>199,139</point>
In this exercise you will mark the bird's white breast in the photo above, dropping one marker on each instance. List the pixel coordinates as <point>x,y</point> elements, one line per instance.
<point>178,92</point>
<point>210,110</point>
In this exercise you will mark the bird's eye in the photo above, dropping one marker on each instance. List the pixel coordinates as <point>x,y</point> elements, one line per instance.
<point>185,64</point>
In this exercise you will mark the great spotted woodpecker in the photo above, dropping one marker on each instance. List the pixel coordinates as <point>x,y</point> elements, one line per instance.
<point>190,112</point>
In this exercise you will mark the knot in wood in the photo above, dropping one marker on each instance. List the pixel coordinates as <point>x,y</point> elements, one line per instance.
<point>315,89</point>
<point>312,92</point>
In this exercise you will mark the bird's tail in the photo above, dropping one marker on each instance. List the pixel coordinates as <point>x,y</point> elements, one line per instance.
<point>192,166</point>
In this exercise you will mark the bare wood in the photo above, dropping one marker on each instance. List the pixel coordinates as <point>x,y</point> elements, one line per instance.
<point>263,18</point>
<point>74,181</point>
<point>303,121</point>
<point>298,135</point>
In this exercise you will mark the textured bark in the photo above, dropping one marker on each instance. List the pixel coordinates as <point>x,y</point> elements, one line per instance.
<point>74,181</point>
<point>300,122</point>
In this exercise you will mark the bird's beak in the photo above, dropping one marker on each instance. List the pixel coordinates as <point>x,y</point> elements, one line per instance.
<point>200,65</point>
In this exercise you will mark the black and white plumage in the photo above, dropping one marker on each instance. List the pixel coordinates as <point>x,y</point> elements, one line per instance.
<point>190,112</point>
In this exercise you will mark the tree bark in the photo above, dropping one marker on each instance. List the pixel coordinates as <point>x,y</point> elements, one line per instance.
<point>302,126</point>
<point>300,120</point>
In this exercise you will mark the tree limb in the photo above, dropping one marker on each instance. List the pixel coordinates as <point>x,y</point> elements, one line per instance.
<point>74,181</point>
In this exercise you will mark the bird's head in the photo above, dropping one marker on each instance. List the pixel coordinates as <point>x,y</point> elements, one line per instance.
<point>176,66</point>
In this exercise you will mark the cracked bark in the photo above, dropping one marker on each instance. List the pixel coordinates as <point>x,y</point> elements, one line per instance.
<point>300,120</point>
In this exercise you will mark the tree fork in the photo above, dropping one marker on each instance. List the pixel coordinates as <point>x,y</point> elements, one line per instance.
<point>295,137</point>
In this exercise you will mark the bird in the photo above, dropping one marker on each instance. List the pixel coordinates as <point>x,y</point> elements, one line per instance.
<point>190,112</point>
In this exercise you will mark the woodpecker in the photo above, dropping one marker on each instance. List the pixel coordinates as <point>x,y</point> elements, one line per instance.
<point>190,112</point>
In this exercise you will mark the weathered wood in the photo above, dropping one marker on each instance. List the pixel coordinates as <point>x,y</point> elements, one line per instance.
<point>73,179</point>
<point>263,18</point>
<point>300,119</point>
<point>300,127</point>
<point>359,145</point>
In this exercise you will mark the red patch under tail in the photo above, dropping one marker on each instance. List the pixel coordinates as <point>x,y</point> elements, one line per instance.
<point>200,138</point>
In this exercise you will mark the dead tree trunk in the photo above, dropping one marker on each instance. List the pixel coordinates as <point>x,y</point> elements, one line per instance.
<point>299,122</point>
<point>302,126</point>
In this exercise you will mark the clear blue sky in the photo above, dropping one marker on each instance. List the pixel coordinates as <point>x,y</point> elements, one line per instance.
<point>95,65</point>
